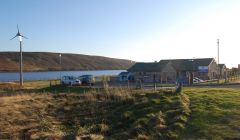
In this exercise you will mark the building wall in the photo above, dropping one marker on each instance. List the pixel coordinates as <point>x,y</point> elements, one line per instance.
<point>202,75</point>
<point>152,77</point>
<point>183,76</point>
<point>223,72</point>
<point>147,76</point>
<point>169,74</point>
<point>137,75</point>
<point>166,75</point>
<point>213,71</point>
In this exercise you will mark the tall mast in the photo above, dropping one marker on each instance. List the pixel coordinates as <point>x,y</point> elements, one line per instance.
<point>20,36</point>
<point>218,49</point>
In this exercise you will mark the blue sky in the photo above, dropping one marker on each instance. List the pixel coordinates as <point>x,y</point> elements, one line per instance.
<point>140,30</point>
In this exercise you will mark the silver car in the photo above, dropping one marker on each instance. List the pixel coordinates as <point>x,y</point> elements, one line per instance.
<point>70,80</point>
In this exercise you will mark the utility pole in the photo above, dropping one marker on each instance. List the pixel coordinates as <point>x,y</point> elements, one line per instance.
<point>218,61</point>
<point>218,50</point>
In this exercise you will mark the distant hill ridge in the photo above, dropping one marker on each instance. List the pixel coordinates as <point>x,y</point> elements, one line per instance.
<point>48,61</point>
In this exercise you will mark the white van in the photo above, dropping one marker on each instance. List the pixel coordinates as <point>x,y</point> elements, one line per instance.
<point>70,80</point>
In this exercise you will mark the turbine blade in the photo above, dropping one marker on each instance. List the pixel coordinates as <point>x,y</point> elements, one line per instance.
<point>13,37</point>
<point>17,28</point>
<point>24,37</point>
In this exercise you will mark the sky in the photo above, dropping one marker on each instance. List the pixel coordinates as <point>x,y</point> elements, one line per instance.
<point>139,30</point>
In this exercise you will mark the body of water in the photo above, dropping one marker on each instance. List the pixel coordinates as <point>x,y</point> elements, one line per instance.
<point>49,75</point>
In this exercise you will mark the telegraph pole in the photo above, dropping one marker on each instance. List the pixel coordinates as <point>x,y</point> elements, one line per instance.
<point>218,50</point>
<point>218,60</point>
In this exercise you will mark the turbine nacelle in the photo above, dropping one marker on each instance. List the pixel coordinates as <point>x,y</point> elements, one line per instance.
<point>19,35</point>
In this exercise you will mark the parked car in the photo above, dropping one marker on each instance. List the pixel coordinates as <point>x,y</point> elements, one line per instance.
<point>70,80</point>
<point>87,79</point>
<point>197,80</point>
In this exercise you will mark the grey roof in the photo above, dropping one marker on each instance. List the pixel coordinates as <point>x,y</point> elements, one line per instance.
<point>178,64</point>
<point>221,66</point>
<point>189,64</point>
<point>146,67</point>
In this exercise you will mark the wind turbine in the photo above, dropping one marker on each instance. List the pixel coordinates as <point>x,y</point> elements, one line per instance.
<point>20,36</point>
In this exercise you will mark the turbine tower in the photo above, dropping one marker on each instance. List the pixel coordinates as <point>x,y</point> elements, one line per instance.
<point>20,36</point>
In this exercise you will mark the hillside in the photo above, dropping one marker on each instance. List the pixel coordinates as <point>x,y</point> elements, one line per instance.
<point>45,61</point>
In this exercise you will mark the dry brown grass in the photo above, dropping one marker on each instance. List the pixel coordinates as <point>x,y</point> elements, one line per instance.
<point>22,114</point>
<point>109,113</point>
<point>36,115</point>
<point>13,86</point>
<point>9,86</point>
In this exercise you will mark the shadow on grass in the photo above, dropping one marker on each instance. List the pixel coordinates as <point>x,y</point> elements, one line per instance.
<point>150,116</point>
<point>50,89</point>
<point>64,89</point>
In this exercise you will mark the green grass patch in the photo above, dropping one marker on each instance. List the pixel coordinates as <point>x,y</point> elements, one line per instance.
<point>215,114</point>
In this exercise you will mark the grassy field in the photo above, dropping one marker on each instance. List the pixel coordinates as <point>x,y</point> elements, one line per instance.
<point>109,114</point>
<point>12,86</point>
<point>215,114</point>
<point>62,113</point>
<point>41,86</point>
